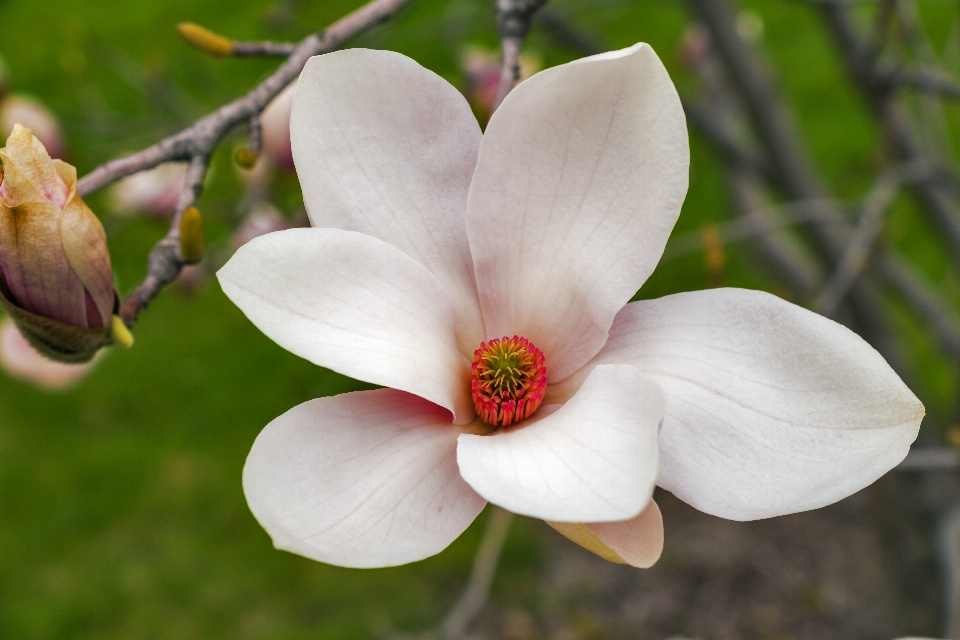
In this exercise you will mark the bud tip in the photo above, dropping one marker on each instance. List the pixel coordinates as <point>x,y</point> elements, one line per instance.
<point>191,236</point>
<point>120,333</point>
<point>246,158</point>
<point>205,40</point>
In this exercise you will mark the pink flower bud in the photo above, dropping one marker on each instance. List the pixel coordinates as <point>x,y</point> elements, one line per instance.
<point>694,46</point>
<point>154,192</point>
<point>55,275</point>
<point>275,120</point>
<point>32,114</point>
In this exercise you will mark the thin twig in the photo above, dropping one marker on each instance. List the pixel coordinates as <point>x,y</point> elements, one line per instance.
<point>874,87</point>
<point>481,577</point>
<point>197,143</point>
<point>860,244</point>
<point>165,261</point>
<point>203,136</point>
<point>920,296</point>
<point>930,80</point>
<point>948,543</point>
<point>756,220</point>
<point>793,169</point>
<point>513,25</point>
<point>706,121</point>
<point>268,49</point>
<point>255,133</point>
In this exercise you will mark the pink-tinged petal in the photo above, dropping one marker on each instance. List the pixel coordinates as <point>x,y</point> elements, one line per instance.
<point>387,148</point>
<point>771,408</point>
<point>85,245</point>
<point>22,361</point>
<point>593,459</point>
<point>366,479</point>
<point>639,541</point>
<point>582,172</point>
<point>354,304</point>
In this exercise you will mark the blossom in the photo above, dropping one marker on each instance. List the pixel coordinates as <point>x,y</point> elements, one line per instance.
<point>56,281</point>
<point>439,254</point>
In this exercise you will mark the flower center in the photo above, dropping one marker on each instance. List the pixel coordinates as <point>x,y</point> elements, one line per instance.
<point>509,380</point>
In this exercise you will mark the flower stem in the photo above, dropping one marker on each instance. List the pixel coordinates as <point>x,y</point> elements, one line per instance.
<point>481,576</point>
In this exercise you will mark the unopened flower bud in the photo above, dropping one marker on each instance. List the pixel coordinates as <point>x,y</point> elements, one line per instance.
<point>246,158</point>
<point>275,120</point>
<point>55,276</point>
<point>19,108</point>
<point>191,236</point>
<point>154,192</point>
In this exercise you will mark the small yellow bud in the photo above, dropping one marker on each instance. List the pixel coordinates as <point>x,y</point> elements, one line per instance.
<point>120,333</point>
<point>246,158</point>
<point>205,40</point>
<point>191,235</point>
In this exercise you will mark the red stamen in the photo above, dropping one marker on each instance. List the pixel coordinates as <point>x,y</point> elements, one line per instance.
<point>509,380</point>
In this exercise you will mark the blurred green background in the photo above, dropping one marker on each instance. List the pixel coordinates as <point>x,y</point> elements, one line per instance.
<point>121,510</point>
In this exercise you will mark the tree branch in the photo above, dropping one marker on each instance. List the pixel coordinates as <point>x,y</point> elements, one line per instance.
<point>262,49</point>
<point>481,577</point>
<point>201,138</point>
<point>789,162</point>
<point>860,244</point>
<point>197,143</point>
<point>513,24</point>
<point>874,86</point>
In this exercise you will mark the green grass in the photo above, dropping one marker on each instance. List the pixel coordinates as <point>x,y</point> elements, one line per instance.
<point>121,511</point>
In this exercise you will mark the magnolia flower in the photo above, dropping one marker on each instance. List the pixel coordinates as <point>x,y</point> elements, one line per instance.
<point>485,279</point>
<point>21,361</point>
<point>55,276</point>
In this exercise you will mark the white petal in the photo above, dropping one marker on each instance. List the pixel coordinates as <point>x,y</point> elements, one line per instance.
<point>771,409</point>
<point>639,541</point>
<point>582,172</point>
<point>364,479</point>
<point>592,460</point>
<point>386,147</point>
<point>351,303</point>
